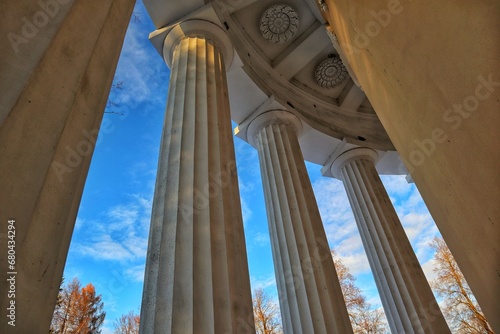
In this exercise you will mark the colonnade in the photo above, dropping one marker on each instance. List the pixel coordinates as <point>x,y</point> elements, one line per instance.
<point>197,276</point>
<point>196,270</point>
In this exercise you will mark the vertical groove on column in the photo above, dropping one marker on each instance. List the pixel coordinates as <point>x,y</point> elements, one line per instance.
<point>196,271</point>
<point>202,262</point>
<point>310,296</point>
<point>219,219</point>
<point>407,298</point>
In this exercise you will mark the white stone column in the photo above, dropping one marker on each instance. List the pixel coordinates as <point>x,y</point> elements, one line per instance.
<point>57,64</point>
<point>406,296</point>
<point>309,291</point>
<point>197,278</point>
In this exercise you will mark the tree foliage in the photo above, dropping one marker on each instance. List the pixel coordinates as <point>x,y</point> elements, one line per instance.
<point>266,314</point>
<point>127,324</point>
<point>364,318</point>
<point>460,308</point>
<point>78,310</point>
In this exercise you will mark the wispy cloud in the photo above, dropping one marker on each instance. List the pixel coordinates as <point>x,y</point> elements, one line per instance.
<point>261,239</point>
<point>121,235</point>
<point>263,282</point>
<point>415,217</point>
<point>136,273</point>
<point>428,268</point>
<point>105,248</point>
<point>245,210</point>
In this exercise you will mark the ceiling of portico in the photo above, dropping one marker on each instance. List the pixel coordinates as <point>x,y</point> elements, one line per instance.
<point>284,71</point>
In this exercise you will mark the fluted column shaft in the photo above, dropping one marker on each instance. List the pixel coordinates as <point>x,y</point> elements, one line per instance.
<point>197,278</point>
<point>309,291</point>
<point>54,88</point>
<point>406,296</point>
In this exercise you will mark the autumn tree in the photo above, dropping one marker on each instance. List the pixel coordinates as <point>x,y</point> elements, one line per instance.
<point>364,318</point>
<point>266,314</point>
<point>127,324</point>
<point>78,310</point>
<point>460,308</point>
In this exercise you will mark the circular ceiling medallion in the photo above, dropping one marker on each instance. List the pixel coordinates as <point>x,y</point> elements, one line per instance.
<point>279,23</point>
<point>330,72</point>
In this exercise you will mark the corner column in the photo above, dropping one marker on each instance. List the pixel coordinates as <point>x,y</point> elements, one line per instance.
<point>440,109</point>
<point>310,296</point>
<point>197,278</point>
<point>408,301</point>
<point>57,62</point>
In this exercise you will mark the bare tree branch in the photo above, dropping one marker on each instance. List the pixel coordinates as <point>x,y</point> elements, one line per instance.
<point>266,314</point>
<point>364,318</point>
<point>460,309</point>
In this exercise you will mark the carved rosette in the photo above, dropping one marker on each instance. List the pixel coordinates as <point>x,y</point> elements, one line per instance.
<point>279,23</point>
<point>330,72</point>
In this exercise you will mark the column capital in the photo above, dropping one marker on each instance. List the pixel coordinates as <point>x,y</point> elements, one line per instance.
<point>276,116</point>
<point>350,155</point>
<point>197,28</point>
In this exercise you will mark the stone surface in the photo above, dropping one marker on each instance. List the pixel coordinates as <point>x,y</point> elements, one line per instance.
<point>52,115</point>
<point>431,72</point>
<point>309,291</point>
<point>408,301</point>
<point>197,278</point>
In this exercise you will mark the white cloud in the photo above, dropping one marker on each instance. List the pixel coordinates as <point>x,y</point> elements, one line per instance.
<point>428,268</point>
<point>136,273</point>
<point>105,248</point>
<point>396,185</point>
<point>121,236</point>
<point>245,210</point>
<point>122,217</point>
<point>261,239</point>
<point>357,263</point>
<point>79,223</point>
<point>262,282</point>
<point>105,329</point>
<point>246,187</point>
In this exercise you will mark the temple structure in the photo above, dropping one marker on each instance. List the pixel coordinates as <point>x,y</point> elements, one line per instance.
<point>359,88</point>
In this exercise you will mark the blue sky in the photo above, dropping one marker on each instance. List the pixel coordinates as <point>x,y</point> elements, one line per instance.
<point>109,243</point>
